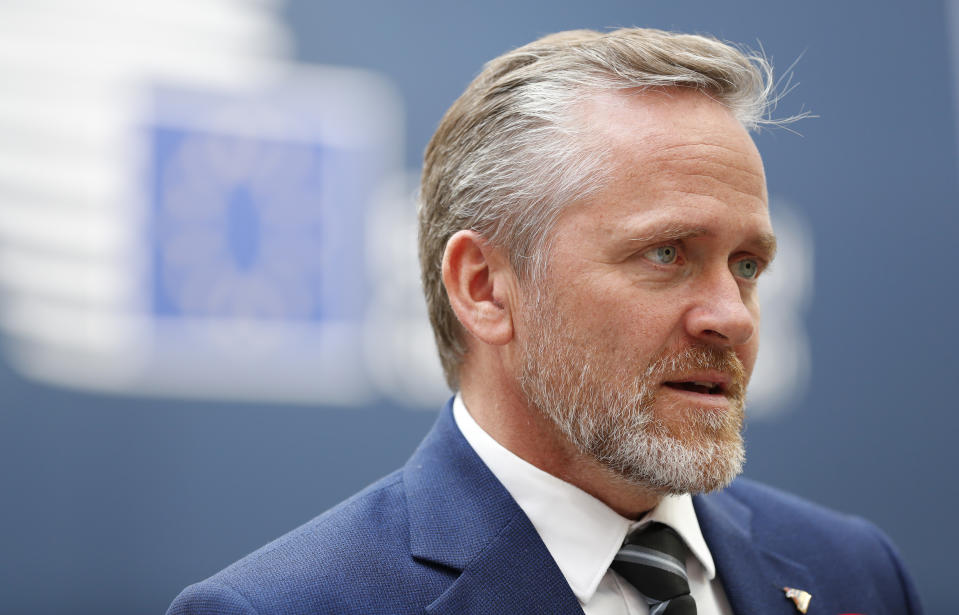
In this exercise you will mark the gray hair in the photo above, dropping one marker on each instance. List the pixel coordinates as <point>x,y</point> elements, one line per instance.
<point>508,155</point>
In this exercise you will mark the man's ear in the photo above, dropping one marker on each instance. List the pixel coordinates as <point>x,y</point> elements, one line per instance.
<point>479,283</point>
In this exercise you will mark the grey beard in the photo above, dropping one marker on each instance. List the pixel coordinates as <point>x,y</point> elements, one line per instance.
<point>608,415</point>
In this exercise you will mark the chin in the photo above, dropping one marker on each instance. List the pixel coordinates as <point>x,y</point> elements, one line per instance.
<point>666,465</point>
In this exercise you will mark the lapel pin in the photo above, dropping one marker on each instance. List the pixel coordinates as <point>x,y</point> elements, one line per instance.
<point>800,597</point>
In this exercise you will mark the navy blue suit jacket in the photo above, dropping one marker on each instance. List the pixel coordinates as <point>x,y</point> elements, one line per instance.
<point>442,535</point>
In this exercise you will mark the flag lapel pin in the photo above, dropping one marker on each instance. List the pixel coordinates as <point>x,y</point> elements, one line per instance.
<point>800,597</point>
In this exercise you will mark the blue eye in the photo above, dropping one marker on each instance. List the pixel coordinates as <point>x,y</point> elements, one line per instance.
<point>663,255</point>
<point>748,268</point>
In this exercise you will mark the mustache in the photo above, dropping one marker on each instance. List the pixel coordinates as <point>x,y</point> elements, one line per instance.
<point>672,365</point>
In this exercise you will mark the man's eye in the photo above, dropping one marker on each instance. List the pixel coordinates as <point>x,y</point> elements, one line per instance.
<point>663,255</point>
<point>748,268</point>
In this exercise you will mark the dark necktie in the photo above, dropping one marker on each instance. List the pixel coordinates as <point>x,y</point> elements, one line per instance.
<point>653,560</point>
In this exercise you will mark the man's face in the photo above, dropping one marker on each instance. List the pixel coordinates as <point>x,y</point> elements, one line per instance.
<point>640,341</point>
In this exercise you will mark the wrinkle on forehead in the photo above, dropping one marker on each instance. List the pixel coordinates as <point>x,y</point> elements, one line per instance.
<point>693,150</point>
<point>702,176</point>
<point>704,149</point>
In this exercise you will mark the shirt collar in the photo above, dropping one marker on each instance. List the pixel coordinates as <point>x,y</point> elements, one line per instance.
<point>580,532</point>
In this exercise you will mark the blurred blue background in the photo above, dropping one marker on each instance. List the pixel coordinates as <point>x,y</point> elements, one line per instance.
<point>111,503</point>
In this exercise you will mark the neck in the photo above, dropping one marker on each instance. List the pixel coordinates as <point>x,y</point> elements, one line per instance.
<point>503,413</point>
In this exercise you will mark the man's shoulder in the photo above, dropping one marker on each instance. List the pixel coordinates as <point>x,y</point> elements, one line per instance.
<point>391,548</point>
<point>840,551</point>
<point>356,525</point>
<point>336,562</point>
<point>774,510</point>
<point>783,519</point>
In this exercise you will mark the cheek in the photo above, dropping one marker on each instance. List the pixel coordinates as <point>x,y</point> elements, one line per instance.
<point>634,328</point>
<point>615,317</point>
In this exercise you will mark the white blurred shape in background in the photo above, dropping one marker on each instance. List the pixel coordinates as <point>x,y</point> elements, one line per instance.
<point>782,371</point>
<point>400,349</point>
<point>183,211</point>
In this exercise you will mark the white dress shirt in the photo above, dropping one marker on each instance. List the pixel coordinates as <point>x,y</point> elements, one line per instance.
<point>583,534</point>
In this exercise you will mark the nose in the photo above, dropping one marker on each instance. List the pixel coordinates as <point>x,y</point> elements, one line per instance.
<point>721,316</point>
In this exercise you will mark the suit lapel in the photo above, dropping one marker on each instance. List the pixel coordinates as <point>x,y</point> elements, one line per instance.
<point>514,574</point>
<point>462,518</point>
<point>752,577</point>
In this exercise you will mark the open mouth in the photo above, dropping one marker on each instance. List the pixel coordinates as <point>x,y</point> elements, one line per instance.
<point>696,386</point>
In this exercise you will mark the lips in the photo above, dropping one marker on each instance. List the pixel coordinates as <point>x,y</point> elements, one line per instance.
<point>698,386</point>
<point>705,374</point>
<point>703,382</point>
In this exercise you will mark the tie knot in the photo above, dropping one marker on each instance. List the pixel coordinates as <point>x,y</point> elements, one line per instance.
<point>659,537</point>
<point>653,559</point>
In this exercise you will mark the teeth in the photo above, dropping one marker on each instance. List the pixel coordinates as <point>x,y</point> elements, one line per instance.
<point>700,383</point>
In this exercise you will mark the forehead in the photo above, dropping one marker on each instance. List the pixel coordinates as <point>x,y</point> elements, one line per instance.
<point>673,154</point>
<point>656,117</point>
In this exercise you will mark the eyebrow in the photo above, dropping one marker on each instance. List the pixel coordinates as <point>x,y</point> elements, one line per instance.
<point>674,231</point>
<point>767,244</point>
<point>677,231</point>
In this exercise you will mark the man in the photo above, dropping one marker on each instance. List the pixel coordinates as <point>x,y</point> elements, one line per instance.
<point>593,224</point>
